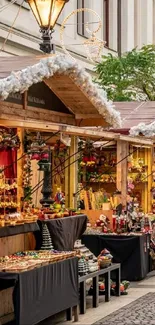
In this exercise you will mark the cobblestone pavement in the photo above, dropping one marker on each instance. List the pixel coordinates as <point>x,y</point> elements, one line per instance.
<point>139,312</point>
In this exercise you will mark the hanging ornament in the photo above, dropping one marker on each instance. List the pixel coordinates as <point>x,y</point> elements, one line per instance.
<point>93,45</point>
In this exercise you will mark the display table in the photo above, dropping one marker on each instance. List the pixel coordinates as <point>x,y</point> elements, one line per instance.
<point>106,272</point>
<point>44,291</point>
<point>131,251</point>
<point>20,229</point>
<point>64,231</point>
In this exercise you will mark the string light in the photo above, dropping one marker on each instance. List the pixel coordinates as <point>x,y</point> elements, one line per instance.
<point>93,45</point>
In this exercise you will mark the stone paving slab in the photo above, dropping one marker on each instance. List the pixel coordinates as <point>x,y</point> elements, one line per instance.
<point>139,312</point>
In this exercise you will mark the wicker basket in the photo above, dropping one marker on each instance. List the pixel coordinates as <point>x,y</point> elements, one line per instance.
<point>104,263</point>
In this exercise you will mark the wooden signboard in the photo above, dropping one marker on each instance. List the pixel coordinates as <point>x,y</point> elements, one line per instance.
<point>41,96</point>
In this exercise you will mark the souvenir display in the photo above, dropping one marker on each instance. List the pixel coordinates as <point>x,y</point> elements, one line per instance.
<point>24,261</point>
<point>124,286</point>
<point>8,194</point>
<point>15,219</point>
<point>104,223</point>
<point>87,261</point>
<point>46,238</point>
<point>105,259</point>
<point>57,211</point>
<point>8,139</point>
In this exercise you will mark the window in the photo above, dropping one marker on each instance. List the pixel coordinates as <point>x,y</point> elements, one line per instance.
<point>82,18</point>
<point>112,24</point>
<point>106,22</point>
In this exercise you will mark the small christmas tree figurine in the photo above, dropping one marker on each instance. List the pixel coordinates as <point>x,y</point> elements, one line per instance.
<point>46,239</point>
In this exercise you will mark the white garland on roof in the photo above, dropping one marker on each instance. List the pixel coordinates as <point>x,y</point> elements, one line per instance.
<point>20,81</point>
<point>147,130</point>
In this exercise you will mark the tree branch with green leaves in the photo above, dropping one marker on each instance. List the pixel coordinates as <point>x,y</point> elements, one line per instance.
<point>130,77</point>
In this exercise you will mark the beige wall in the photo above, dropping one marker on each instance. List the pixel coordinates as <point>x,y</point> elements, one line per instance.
<point>138,28</point>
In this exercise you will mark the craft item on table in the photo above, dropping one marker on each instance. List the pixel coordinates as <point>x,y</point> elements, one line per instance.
<point>93,231</point>
<point>93,266</point>
<point>46,238</point>
<point>83,252</point>
<point>24,261</point>
<point>82,266</point>
<point>103,222</point>
<point>60,197</point>
<point>105,258</point>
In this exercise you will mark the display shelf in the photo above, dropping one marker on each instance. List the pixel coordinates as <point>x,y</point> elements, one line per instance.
<point>99,182</point>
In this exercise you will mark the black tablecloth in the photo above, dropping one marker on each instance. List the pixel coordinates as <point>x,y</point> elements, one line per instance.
<point>64,231</point>
<point>131,251</point>
<point>20,229</point>
<point>44,291</point>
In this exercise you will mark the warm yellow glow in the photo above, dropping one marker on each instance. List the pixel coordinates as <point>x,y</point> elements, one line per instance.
<point>47,12</point>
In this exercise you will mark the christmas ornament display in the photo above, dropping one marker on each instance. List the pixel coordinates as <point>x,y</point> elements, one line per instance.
<point>9,139</point>
<point>27,176</point>
<point>46,238</point>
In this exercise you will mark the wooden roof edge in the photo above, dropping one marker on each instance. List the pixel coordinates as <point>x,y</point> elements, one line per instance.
<point>72,130</point>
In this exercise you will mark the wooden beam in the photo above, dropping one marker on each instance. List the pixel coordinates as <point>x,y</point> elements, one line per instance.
<point>11,111</point>
<point>87,116</point>
<point>92,121</point>
<point>46,126</point>
<point>25,100</point>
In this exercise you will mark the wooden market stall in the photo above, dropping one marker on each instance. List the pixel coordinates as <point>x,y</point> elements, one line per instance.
<point>135,115</point>
<point>50,96</point>
<point>53,95</point>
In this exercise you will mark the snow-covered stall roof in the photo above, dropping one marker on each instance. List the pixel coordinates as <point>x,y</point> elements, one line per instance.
<point>67,79</point>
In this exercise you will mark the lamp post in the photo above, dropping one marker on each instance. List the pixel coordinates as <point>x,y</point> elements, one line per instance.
<point>46,13</point>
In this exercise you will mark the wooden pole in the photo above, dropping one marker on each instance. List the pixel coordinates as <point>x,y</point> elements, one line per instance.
<point>67,185</point>
<point>150,164</point>
<point>20,151</point>
<point>122,152</point>
<point>73,173</point>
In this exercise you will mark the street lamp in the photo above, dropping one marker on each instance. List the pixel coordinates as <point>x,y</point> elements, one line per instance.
<point>46,13</point>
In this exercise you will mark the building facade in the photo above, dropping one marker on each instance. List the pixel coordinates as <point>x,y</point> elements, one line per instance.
<point>125,25</point>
